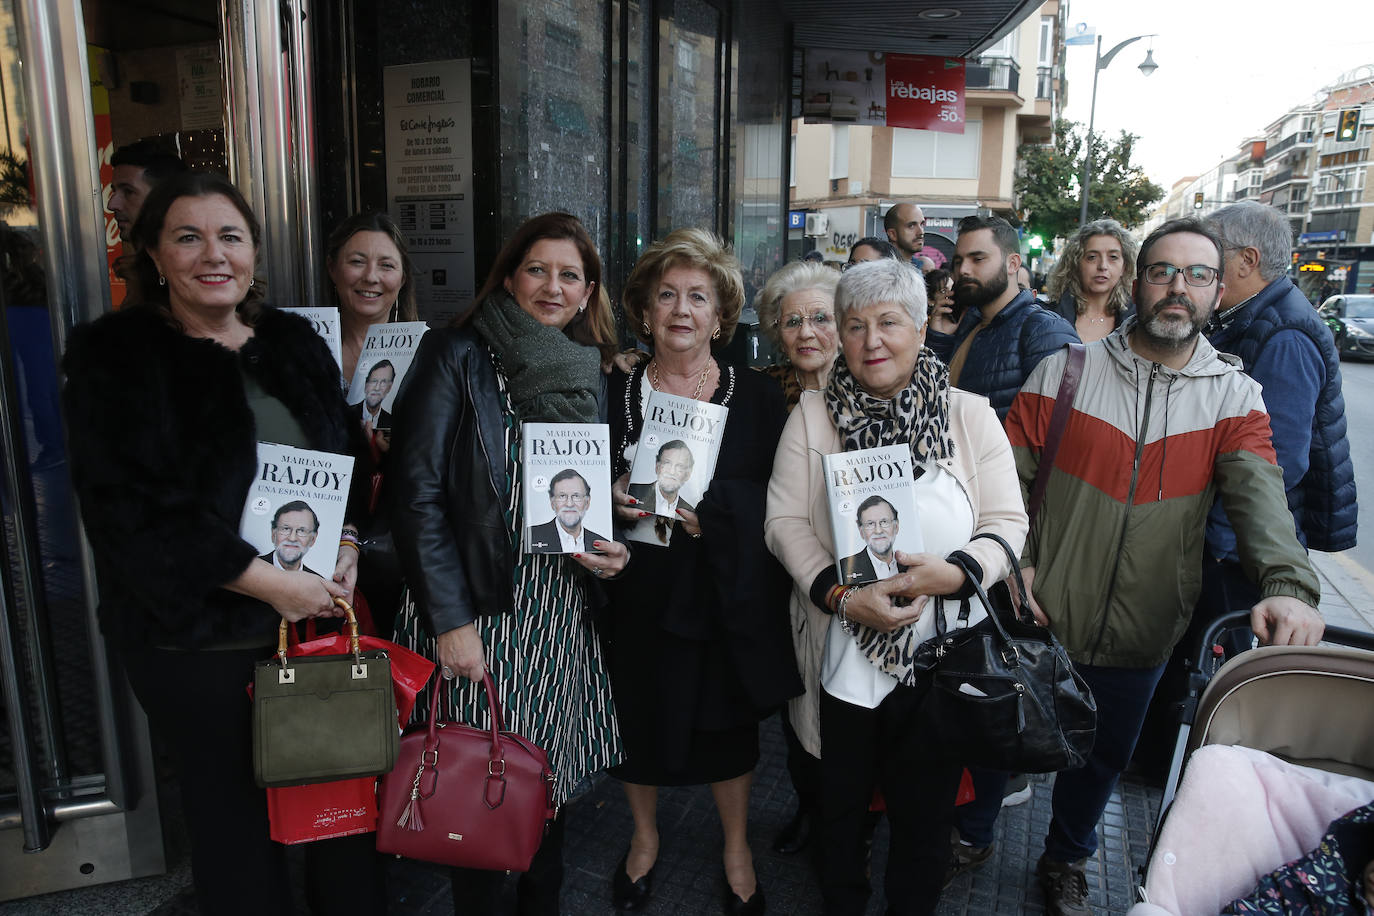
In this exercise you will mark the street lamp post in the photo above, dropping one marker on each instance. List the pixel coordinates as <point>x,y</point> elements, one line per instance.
<point>1147,66</point>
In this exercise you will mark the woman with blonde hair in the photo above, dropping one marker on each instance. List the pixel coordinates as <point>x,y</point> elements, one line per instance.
<point>697,639</point>
<point>1090,285</point>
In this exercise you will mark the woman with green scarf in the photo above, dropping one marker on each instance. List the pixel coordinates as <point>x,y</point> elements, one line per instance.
<point>530,351</point>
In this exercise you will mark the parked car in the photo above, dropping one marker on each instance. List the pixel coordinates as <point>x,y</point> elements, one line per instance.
<point>1351,319</point>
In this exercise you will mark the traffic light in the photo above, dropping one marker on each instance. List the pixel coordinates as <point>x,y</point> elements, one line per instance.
<point>1348,125</point>
<point>1197,201</point>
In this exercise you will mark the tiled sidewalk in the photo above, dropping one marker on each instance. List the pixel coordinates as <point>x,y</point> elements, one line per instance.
<point>688,878</point>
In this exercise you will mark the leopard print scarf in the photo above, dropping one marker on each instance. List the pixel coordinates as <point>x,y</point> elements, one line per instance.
<point>918,415</point>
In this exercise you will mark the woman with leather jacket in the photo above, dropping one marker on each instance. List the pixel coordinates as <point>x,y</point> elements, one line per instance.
<point>530,351</point>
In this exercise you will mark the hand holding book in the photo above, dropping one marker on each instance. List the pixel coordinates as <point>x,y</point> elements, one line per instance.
<point>923,574</point>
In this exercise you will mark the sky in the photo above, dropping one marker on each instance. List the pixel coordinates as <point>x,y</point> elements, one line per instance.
<point>1226,71</point>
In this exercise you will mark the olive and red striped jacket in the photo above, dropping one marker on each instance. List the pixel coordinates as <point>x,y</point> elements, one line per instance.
<point>1117,546</point>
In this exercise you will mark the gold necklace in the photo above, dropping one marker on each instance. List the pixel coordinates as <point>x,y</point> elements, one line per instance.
<point>653,378</point>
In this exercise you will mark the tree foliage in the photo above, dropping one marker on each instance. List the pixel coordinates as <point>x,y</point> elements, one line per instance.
<point>1048,181</point>
<point>14,183</point>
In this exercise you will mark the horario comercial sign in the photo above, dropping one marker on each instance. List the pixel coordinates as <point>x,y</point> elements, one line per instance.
<point>924,92</point>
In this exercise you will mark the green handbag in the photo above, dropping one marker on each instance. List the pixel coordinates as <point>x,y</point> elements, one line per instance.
<point>322,718</point>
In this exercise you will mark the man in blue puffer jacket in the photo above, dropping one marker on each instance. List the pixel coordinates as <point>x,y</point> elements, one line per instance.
<point>1285,346</point>
<point>1003,334</point>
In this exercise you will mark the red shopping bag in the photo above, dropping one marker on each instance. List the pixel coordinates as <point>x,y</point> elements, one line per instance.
<point>324,810</point>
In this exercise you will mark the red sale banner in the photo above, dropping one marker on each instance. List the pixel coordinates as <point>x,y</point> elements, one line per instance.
<point>925,92</point>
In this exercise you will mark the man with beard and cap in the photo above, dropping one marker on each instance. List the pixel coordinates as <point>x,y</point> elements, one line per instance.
<point>1161,424</point>
<point>1003,333</point>
<point>569,495</point>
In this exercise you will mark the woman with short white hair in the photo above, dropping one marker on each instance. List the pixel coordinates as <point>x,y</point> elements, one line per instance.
<point>861,708</point>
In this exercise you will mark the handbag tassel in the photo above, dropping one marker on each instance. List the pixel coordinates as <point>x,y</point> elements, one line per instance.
<point>410,818</point>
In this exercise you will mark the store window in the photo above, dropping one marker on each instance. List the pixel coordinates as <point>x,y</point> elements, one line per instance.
<point>688,115</point>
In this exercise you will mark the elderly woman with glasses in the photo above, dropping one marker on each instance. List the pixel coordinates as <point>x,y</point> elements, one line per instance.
<point>862,706</point>
<point>797,310</point>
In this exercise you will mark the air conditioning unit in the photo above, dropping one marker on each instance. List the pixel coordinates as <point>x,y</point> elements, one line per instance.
<point>817,225</point>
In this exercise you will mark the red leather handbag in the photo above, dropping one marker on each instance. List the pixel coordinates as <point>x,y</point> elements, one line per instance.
<point>475,798</point>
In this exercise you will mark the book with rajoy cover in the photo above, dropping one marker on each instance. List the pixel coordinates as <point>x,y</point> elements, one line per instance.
<point>386,355</point>
<point>295,509</point>
<point>325,321</point>
<point>566,491</point>
<point>872,502</point>
<point>674,459</point>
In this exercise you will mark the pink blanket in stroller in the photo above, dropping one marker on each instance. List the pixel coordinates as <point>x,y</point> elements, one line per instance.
<point>1238,815</point>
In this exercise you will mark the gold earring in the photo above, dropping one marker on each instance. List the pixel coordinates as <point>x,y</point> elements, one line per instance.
<point>715,335</point>
<point>648,331</point>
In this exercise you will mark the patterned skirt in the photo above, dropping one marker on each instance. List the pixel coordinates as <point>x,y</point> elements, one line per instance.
<point>545,657</point>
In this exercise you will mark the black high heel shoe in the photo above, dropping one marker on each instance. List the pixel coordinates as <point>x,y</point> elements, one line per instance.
<point>627,894</point>
<point>734,906</point>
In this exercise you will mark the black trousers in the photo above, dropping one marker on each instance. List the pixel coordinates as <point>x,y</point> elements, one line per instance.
<point>198,707</point>
<point>804,769</point>
<point>892,748</point>
<point>478,893</point>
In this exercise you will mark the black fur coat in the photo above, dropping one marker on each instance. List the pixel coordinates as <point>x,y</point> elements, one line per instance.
<point>163,451</point>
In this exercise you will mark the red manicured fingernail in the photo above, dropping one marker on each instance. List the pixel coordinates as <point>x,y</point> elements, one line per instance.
<point>643,515</point>
<point>577,556</point>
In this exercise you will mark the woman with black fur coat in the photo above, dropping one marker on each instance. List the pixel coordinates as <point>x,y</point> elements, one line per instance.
<point>167,400</point>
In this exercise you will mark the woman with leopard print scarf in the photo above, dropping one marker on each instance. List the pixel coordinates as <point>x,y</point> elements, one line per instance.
<point>861,713</point>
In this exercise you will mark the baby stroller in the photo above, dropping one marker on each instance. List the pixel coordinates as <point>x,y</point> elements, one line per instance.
<point>1281,744</point>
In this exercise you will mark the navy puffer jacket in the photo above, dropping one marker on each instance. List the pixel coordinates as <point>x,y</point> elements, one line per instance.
<point>1285,346</point>
<point>1004,353</point>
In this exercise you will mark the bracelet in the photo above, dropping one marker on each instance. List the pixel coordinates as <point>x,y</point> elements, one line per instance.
<point>344,542</point>
<point>845,623</point>
<point>833,596</point>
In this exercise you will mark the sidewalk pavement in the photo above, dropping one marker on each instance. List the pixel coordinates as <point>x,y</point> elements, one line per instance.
<point>688,877</point>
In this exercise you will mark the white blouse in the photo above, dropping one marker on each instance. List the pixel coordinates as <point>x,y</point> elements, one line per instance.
<point>946,524</point>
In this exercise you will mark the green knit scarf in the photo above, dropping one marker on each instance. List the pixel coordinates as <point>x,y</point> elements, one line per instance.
<point>552,378</point>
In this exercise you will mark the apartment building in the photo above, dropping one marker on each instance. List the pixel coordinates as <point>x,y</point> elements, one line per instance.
<point>852,174</point>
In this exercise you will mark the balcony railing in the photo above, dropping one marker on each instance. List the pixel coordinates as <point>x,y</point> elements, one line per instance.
<point>1242,193</point>
<point>1303,136</point>
<point>1044,82</point>
<point>996,73</point>
<point>1282,176</point>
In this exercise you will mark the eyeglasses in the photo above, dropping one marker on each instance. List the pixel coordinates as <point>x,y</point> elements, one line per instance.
<point>1162,274</point>
<point>295,532</point>
<point>377,383</point>
<point>882,524</point>
<point>569,498</point>
<point>820,321</point>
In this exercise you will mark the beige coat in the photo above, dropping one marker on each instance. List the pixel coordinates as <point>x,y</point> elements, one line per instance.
<point>797,529</point>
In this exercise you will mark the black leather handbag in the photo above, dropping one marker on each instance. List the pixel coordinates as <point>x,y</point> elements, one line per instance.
<point>1004,694</point>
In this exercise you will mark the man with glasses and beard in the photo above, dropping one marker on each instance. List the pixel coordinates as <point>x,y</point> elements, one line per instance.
<point>294,527</point>
<point>877,521</point>
<point>1003,333</point>
<point>569,496</point>
<point>1161,424</point>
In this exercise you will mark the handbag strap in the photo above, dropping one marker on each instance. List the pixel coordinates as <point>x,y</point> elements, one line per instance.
<point>1059,418</point>
<point>284,636</point>
<point>493,704</point>
<point>1020,600</point>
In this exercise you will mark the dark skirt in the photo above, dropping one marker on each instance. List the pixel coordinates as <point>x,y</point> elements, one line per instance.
<point>685,719</point>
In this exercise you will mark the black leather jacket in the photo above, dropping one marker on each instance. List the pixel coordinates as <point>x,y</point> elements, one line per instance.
<point>446,482</point>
